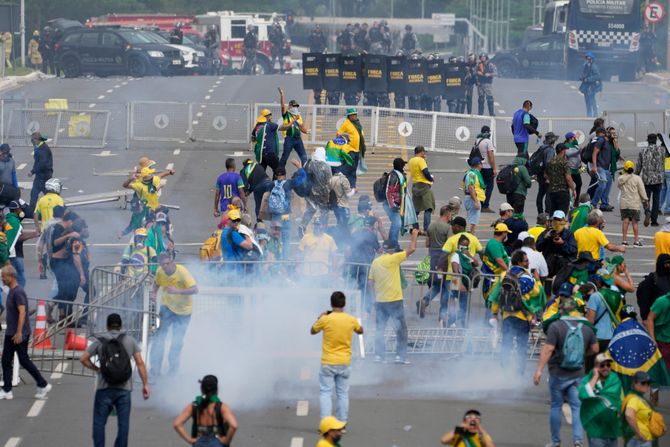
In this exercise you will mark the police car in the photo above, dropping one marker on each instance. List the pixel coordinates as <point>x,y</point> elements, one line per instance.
<point>104,52</point>
<point>539,58</point>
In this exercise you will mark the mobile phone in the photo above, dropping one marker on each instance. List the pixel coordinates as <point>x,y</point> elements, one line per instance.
<point>459,430</point>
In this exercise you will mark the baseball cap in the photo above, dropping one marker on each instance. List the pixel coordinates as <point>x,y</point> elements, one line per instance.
<point>390,245</point>
<point>524,235</point>
<point>330,423</point>
<point>558,214</point>
<point>589,55</point>
<point>569,135</point>
<point>629,165</point>
<point>351,111</point>
<point>506,207</point>
<point>293,103</point>
<point>234,214</point>
<point>602,357</point>
<point>641,377</point>
<point>13,205</point>
<point>475,161</point>
<point>565,290</point>
<point>500,228</point>
<point>460,221</point>
<point>4,147</point>
<point>161,217</point>
<point>141,232</point>
<point>485,129</point>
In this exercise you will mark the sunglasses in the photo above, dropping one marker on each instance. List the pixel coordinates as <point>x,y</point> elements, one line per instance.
<point>236,220</point>
<point>473,416</point>
<point>605,365</point>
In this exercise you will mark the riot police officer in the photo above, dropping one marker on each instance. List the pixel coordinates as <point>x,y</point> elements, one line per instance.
<point>276,38</point>
<point>213,43</point>
<point>317,41</point>
<point>452,103</point>
<point>409,40</point>
<point>250,44</point>
<point>399,98</point>
<point>177,35</point>
<point>414,101</point>
<point>486,71</point>
<point>470,82</point>
<point>462,102</point>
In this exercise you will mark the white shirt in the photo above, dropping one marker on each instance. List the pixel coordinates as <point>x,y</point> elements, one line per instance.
<point>486,146</point>
<point>536,261</point>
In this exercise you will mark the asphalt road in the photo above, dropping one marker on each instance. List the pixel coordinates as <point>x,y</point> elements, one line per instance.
<point>391,406</point>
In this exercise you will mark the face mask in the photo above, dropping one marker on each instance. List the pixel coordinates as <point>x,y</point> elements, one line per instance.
<point>558,225</point>
<point>294,111</point>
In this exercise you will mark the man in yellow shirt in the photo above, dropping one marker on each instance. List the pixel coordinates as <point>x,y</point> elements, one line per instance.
<point>662,238</point>
<point>384,277</point>
<point>352,127</point>
<point>318,250</point>
<point>422,194</point>
<point>178,288</point>
<point>146,185</point>
<point>331,431</point>
<point>542,223</point>
<point>44,209</point>
<point>338,328</point>
<point>591,238</point>
<point>475,192</point>
<point>637,412</point>
<point>458,225</point>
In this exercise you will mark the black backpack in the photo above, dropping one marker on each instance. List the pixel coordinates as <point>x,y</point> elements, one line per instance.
<point>586,154</point>
<point>507,180</point>
<point>222,426</point>
<point>536,163</point>
<point>379,187</point>
<point>510,299</point>
<point>115,365</point>
<point>475,152</point>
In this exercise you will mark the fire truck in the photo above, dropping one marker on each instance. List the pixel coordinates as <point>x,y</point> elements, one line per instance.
<point>232,29</point>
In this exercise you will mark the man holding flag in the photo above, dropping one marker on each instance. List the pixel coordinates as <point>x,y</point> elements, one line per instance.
<point>600,413</point>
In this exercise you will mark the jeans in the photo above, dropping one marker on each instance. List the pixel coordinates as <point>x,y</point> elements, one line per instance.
<point>603,442</point>
<point>17,263</point>
<point>334,376</point>
<point>8,350</point>
<point>394,311</point>
<point>293,143</point>
<point>350,171</point>
<point>558,389</point>
<point>654,193</point>
<point>602,192</point>
<point>179,325</point>
<point>591,106</point>
<point>360,274</point>
<point>487,173</point>
<point>67,278</point>
<point>38,187</point>
<point>461,298</point>
<point>473,214</point>
<point>285,234</point>
<point>396,223</point>
<point>514,328</point>
<point>559,200</point>
<point>637,443</point>
<point>105,400</point>
<point>665,197</point>
<point>258,191</point>
<point>208,441</point>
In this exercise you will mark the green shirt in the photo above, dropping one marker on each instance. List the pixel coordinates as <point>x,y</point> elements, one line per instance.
<point>495,249</point>
<point>524,179</point>
<point>578,217</point>
<point>661,308</point>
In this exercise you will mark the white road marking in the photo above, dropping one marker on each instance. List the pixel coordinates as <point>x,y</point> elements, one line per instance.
<point>303,408</point>
<point>199,114</point>
<point>195,123</point>
<point>211,90</point>
<point>220,77</point>
<point>218,82</point>
<point>58,371</point>
<point>497,104</point>
<point>215,86</point>
<point>91,105</point>
<point>61,130</point>
<point>182,142</point>
<point>169,166</point>
<point>124,83</point>
<point>101,97</point>
<point>573,87</point>
<point>117,86</point>
<point>566,83</point>
<point>110,90</point>
<point>207,98</point>
<point>176,152</point>
<point>296,442</point>
<point>36,409</point>
<point>104,154</point>
<point>630,138</point>
<point>21,166</point>
<point>501,111</point>
<point>13,442</point>
<point>203,106</point>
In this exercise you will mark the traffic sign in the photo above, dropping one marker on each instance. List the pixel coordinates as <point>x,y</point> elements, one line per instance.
<point>462,133</point>
<point>219,122</point>
<point>161,121</point>
<point>32,127</point>
<point>654,12</point>
<point>405,129</point>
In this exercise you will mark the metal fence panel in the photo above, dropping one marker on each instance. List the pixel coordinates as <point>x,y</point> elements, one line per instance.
<point>221,123</point>
<point>81,128</point>
<point>457,133</point>
<point>23,122</point>
<point>633,126</point>
<point>404,128</point>
<point>160,121</point>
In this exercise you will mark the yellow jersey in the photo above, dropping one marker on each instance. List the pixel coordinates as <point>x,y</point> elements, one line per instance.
<point>385,272</point>
<point>45,207</point>
<point>338,329</point>
<point>181,279</point>
<point>415,166</point>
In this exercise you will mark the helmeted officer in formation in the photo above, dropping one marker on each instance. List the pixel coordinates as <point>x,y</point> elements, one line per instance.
<point>486,71</point>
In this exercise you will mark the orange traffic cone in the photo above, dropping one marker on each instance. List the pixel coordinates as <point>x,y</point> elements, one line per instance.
<point>40,340</point>
<point>74,342</point>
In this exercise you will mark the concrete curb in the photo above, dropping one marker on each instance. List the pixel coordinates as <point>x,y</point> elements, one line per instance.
<point>657,79</point>
<point>11,82</point>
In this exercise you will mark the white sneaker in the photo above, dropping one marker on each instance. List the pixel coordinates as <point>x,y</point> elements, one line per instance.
<point>567,413</point>
<point>42,392</point>
<point>7,395</point>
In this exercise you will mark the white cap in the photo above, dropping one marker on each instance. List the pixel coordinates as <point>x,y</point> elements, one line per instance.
<point>319,154</point>
<point>558,214</point>
<point>506,207</point>
<point>524,235</point>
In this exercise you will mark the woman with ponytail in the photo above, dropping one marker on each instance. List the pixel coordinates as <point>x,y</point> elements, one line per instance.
<point>213,422</point>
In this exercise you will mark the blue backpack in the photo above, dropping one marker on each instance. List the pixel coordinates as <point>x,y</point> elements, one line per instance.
<point>277,203</point>
<point>573,347</point>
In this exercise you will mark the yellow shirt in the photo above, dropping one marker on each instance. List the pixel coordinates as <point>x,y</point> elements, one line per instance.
<point>471,178</point>
<point>143,193</point>
<point>317,251</point>
<point>590,239</point>
<point>642,415</point>
<point>667,163</point>
<point>536,231</point>
<point>415,166</point>
<point>338,328</point>
<point>323,442</point>
<point>476,441</point>
<point>662,242</point>
<point>385,272</point>
<point>181,279</point>
<point>45,207</point>
<point>354,139</point>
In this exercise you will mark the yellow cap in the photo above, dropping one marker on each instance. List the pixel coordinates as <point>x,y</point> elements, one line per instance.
<point>263,116</point>
<point>147,171</point>
<point>141,232</point>
<point>330,423</point>
<point>499,228</point>
<point>629,165</point>
<point>145,162</point>
<point>234,214</point>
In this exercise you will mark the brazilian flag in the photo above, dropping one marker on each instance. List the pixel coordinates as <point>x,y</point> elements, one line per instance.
<point>337,151</point>
<point>534,299</point>
<point>633,350</point>
<point>260,141</point>
<point>551,312</point>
